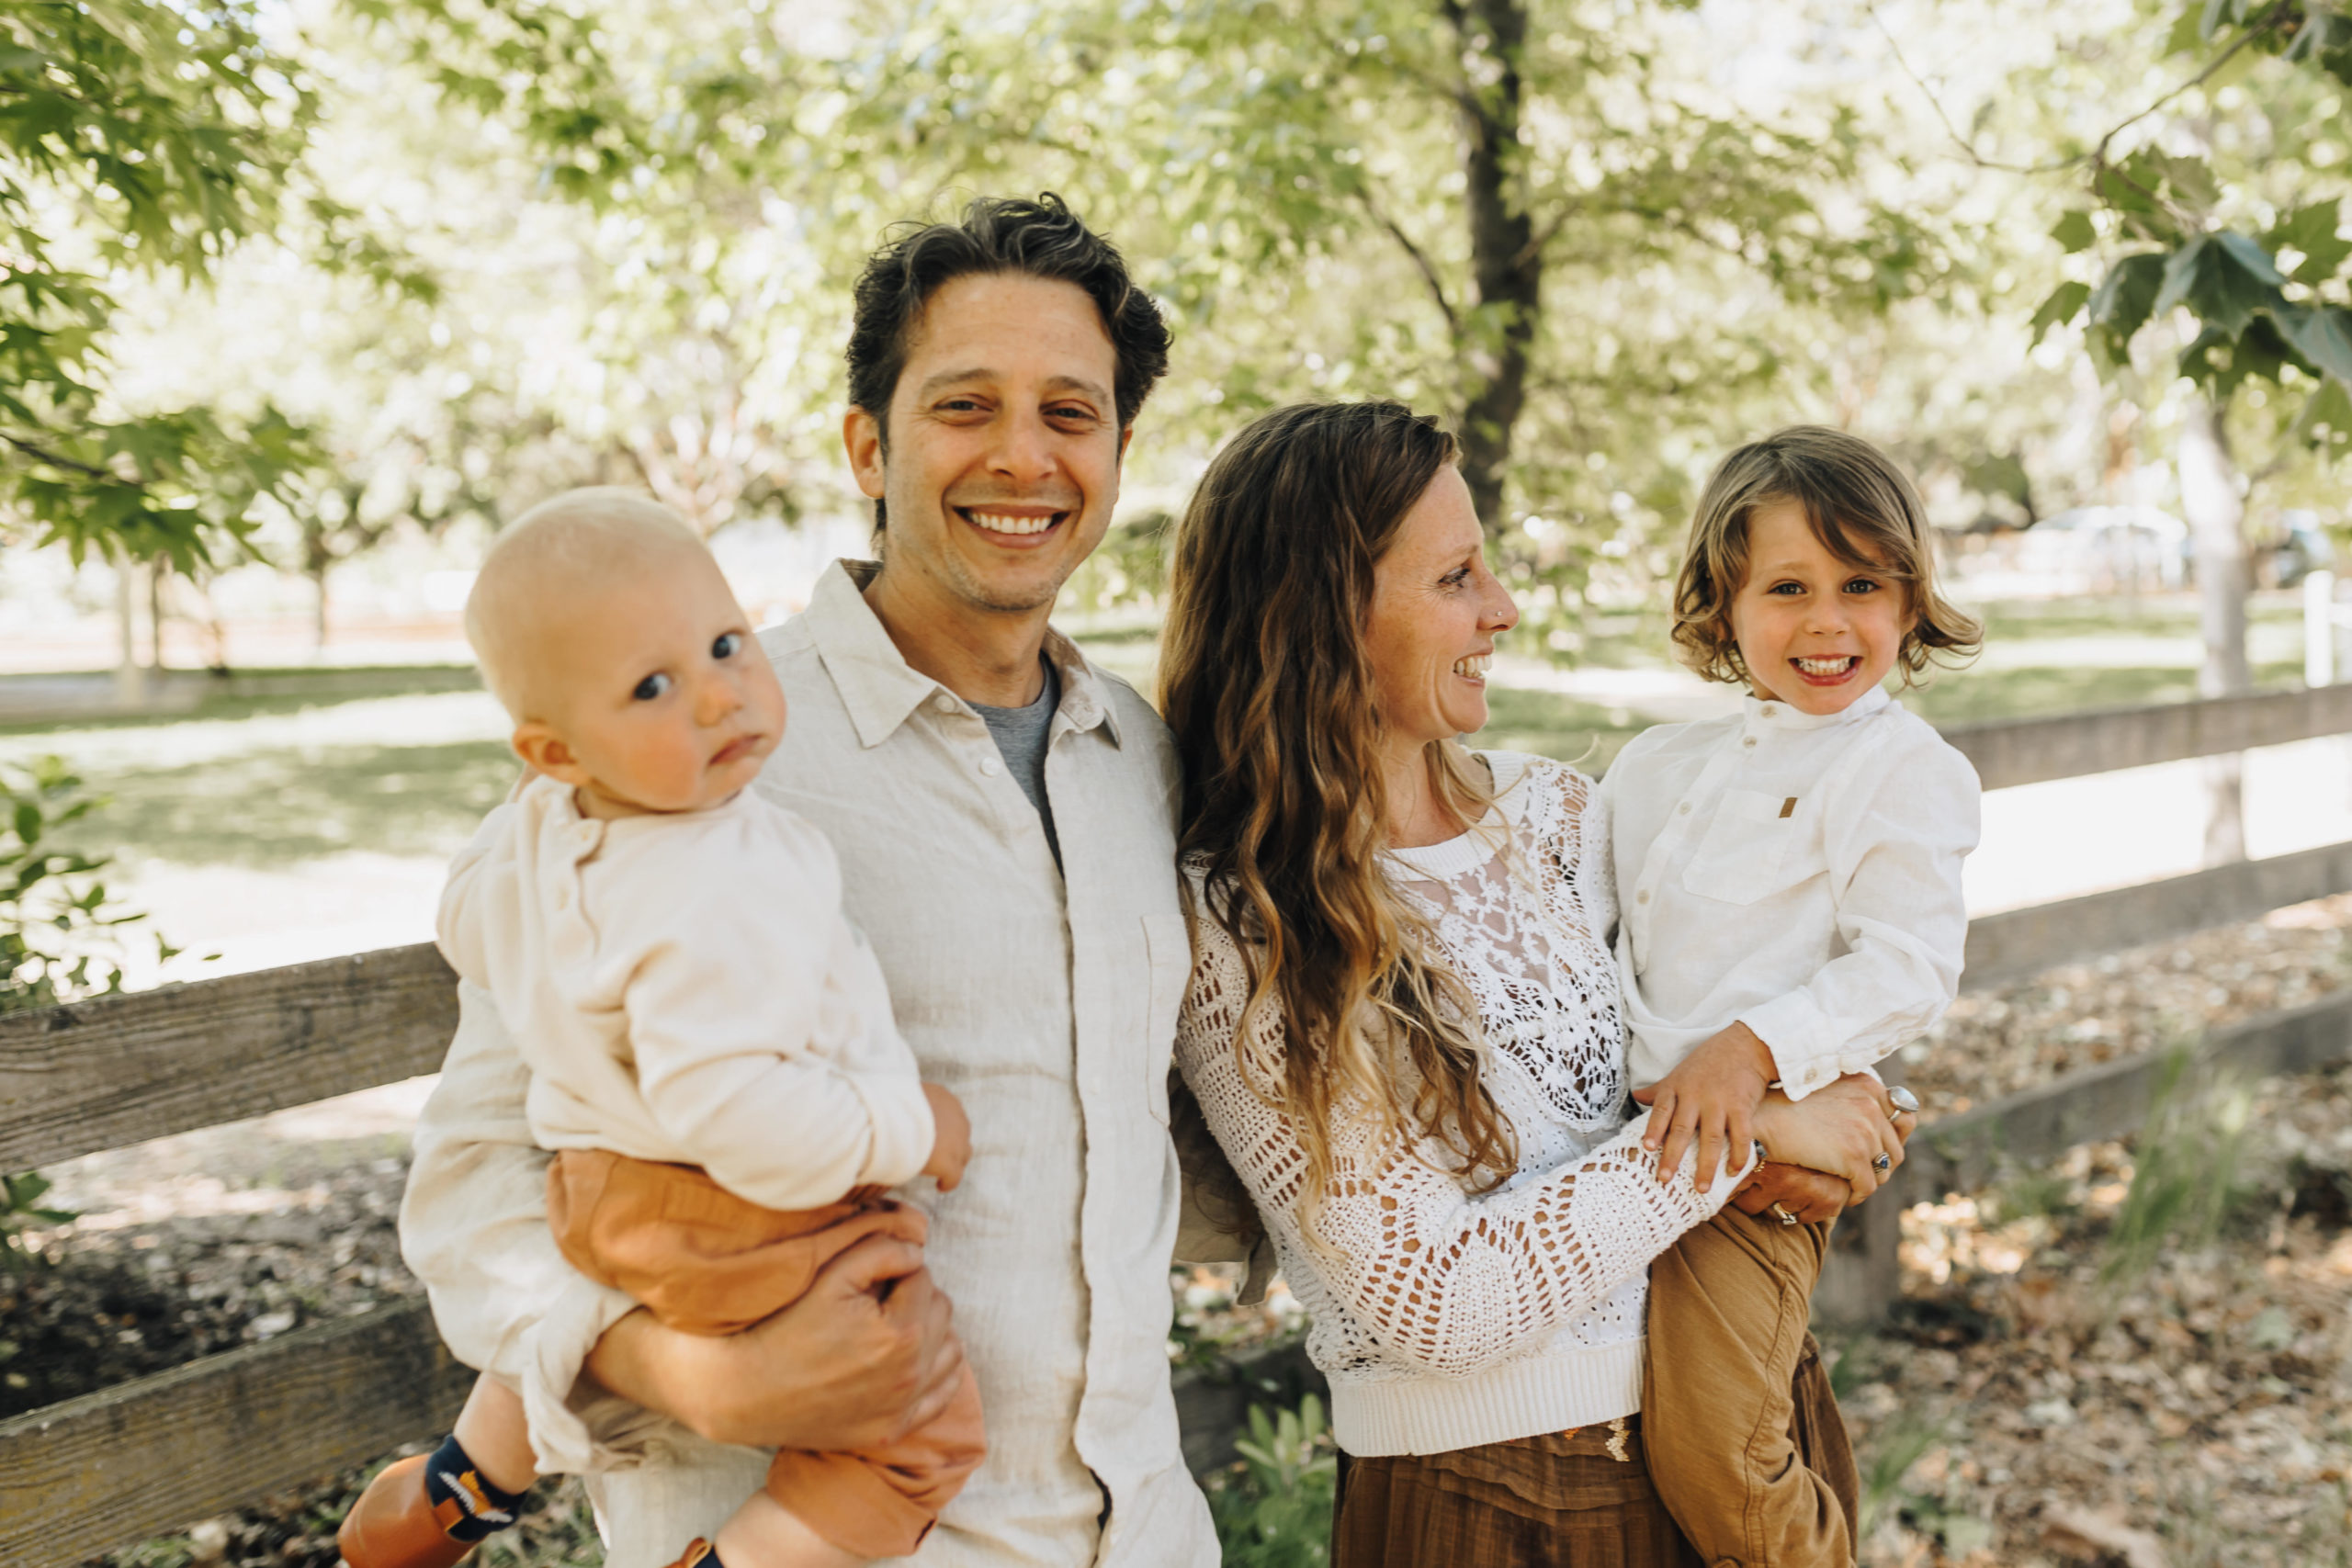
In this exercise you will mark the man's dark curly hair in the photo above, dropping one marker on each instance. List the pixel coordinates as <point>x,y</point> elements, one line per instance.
<point>998,234</point>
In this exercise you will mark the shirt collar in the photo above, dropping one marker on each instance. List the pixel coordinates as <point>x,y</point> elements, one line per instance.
<point>1769,717</point>
<point>880,689</point>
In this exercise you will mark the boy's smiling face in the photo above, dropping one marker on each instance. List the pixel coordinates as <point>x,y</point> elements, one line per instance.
<point>1816,632</point>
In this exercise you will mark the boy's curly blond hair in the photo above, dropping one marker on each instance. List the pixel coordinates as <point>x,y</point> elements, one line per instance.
<point>1863,508</point>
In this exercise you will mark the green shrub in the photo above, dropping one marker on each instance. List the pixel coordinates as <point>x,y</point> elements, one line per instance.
<point>1273,1509</point>
<point>60,934</point>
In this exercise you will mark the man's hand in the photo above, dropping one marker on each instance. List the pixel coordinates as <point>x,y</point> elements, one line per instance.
<point>951,1146</point>
<point>862,1359</point>
<point>1711,1096</point>
<point>1810,1195</point>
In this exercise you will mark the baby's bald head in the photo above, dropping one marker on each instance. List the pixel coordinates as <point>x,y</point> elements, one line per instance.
<point>555,565</point>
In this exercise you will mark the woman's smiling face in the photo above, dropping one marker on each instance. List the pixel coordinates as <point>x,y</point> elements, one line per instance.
<point>1436,610</point>
<point>1816,632</point>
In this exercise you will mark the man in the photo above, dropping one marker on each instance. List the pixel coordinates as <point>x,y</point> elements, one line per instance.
<point>1003,815</point>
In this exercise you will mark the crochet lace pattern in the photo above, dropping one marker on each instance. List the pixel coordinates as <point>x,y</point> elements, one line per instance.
<point>1417,1276</point>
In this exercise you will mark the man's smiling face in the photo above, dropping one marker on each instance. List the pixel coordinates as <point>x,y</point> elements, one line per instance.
<point>1002,459</point>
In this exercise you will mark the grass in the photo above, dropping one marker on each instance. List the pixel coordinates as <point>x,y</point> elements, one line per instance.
<point>274,807</point>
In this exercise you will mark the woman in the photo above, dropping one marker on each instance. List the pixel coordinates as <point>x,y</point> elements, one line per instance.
<point>1403,1022</point>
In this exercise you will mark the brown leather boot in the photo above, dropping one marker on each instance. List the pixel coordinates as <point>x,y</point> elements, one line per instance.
<point>395,1524</point>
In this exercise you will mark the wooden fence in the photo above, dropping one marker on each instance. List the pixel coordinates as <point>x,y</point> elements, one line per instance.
<point>150,1456</point>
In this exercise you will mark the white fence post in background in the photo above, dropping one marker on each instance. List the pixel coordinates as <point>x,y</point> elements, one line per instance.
<point>2319,629</point>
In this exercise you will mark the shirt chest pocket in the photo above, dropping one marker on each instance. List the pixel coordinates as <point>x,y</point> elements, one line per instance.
<point>1757,845</point>
<point>1167,944</point>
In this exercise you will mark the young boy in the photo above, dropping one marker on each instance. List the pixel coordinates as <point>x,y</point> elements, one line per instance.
<point>714,1063</point>
<point>1789,883</point>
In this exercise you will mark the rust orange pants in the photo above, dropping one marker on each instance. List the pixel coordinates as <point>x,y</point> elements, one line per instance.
<point>704,1261</point>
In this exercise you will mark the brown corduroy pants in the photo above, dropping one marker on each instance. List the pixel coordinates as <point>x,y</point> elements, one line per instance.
<point>704,1261</point>
<point>1746,1443</point>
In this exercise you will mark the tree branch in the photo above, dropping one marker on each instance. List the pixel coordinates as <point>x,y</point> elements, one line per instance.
<point>2097,155</point>
<point>1421,259</point>
<point>42,454</point>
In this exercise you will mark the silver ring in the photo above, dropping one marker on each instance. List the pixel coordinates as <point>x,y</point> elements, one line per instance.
<point>1904,1102</point>
<point>1882,1163</point>
<point>1786,1218</point>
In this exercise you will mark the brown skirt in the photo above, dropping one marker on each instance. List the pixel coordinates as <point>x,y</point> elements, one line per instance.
<point>1578,1499</point>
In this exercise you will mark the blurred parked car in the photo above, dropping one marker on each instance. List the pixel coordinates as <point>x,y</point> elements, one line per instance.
<point>2108,547</point>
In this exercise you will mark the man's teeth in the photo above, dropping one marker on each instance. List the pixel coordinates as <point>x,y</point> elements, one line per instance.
<point>998,523</point>
<point>1826,666</point>
<point>1475,667</point>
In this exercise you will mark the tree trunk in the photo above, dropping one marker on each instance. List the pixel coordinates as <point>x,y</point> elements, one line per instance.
<point>129,682</point>
<point>2208,493</point>
<point>156,573</point>
<point>316,559</point>
<point>1495,337</point>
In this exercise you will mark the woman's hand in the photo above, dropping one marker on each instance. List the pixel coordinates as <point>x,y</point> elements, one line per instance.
<point>1811,1196</point>
<point>862,1358</point>
<point>1842,1129</point>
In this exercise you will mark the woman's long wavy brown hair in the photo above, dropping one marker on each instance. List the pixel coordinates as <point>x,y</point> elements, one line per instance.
<point>1267,684</point>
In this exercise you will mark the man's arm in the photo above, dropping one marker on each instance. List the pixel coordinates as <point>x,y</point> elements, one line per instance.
<point>827,1373</point>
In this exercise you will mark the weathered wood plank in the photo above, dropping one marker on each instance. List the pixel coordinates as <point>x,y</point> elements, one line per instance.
<point>1964,1152</point>
<point>2065,746</point>
<point>119,1070</point>
<point>2024,942</point>
<point>151,1457</point>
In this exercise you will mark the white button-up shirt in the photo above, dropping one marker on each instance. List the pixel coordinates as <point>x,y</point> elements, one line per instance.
<point>1797,873</point>
<point>1045,999</point>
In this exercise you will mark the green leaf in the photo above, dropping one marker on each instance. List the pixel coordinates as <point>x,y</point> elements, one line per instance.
<point>2311,229</point>
<point>2321,334</point>
<point>2120,305</point>
<point>2223,279</point>
<point>2074,231</point>
<point>2065,302</point>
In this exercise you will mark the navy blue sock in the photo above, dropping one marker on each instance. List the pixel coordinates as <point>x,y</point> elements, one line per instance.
<point>468,1505</point>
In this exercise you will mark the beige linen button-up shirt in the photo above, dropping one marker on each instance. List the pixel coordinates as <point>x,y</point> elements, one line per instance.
<point>1045,999</point>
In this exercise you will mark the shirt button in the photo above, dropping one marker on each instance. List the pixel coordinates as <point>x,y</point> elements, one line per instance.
<point>1684,809</point>
<point>1749,741</point>
<point>990,766</point>
<point>1643,897</point>
<point>944,702</point>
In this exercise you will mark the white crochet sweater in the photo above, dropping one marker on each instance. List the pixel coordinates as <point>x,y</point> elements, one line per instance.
<point>1444,1320</point>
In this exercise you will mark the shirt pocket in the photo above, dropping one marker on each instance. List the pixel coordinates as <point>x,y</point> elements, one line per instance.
<point>1168,947</point>
<point>1747,852</point>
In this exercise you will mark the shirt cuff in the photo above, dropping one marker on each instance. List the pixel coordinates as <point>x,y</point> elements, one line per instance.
<point>555,1349</point>
<point>1803,1046</point>
<point>903,1127</point>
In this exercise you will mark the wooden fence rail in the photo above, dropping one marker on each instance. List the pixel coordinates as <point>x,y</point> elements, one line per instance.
<point>151,1455</point>
<point>2074,745</point>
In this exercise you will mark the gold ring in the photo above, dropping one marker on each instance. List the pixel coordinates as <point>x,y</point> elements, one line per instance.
<point>1786,1218</point>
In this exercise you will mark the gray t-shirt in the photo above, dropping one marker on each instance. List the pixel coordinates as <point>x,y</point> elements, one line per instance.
<point>1019,736</point>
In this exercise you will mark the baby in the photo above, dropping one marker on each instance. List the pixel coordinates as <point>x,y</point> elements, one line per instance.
<point>713,1061</point>
<point>1789,883</point>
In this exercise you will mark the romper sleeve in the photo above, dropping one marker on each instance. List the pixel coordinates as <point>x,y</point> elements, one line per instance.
<point>723,1015</point>
<point>473,1228</point>
<point>1445,1281</point>
<point>1897,834</point>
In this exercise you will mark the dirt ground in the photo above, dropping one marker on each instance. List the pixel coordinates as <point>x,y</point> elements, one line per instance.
<point>2140,1356</point>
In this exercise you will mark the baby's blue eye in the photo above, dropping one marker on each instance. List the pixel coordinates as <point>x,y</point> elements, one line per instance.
<point>728,646</point>
<point>650,687</point>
